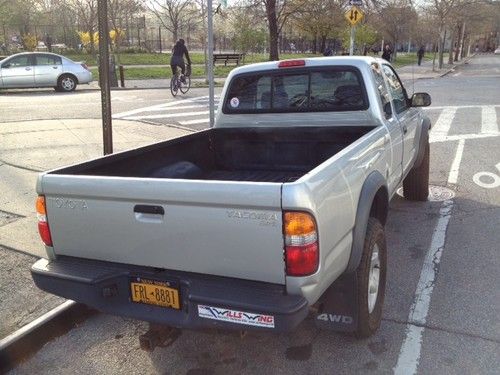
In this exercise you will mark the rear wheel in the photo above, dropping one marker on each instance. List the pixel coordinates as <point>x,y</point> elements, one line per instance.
<point>416,183</point>
<point>174,88</point>
<point>66,83</point>
<point>371,275</point>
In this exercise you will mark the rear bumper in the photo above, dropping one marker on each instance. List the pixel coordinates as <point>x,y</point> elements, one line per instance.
<point>206,301</point>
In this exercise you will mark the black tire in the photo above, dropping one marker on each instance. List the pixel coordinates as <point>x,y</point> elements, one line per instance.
<point>66,83</point>
<point>185,86</point>
<point>416,183</point>
<point>173,86</point>
<point>370,314</point>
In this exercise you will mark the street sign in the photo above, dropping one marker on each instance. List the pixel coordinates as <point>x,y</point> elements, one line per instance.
<point>356,2</point>
<point>354,15</point>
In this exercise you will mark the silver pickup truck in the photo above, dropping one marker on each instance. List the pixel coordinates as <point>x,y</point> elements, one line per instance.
<point>276,212</point>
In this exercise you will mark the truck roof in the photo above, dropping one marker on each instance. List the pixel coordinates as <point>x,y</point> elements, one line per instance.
<point>357,61</point>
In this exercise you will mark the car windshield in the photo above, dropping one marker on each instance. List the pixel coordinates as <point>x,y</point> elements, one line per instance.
<point>328,89</point>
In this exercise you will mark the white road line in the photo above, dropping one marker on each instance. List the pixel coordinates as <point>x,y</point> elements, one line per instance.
<point>166,115</point>
<point>463,136</point>
<point>489,120</point>
<point>409,354</point>
<point>455,166</point>
<point>443,124</point>
<point>198,121</point>
<point>460,106</point>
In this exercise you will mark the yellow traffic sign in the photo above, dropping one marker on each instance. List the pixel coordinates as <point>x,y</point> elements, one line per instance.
<point>354,15</point>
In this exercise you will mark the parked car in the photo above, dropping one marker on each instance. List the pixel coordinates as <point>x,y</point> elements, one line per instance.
<point>42,69</point>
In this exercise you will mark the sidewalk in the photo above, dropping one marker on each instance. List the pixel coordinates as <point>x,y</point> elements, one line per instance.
<point>27,148</point>
<point>406,73</point>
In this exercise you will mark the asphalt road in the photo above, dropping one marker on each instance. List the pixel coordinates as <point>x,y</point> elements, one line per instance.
<point>442,301</point>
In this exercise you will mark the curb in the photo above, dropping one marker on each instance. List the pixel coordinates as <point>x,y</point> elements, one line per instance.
<point>24,342</point>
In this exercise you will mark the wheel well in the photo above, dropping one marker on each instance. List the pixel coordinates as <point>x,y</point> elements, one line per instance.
<point>67,74</point>
<point>380,205</point>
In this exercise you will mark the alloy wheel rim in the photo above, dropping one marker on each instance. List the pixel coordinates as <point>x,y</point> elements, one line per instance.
<point>373,278</point>
<point>68,83</point>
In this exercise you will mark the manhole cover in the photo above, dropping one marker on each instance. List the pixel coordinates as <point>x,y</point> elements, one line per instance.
<point>436,193</point>
<point>7,217</point>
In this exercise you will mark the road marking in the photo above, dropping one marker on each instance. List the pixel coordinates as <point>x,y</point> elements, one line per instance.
<point>495,179</point>
<point>456,74</point>
<point>462,136</point>
<point>409,355</point>
<point>165,115</point>
<point>198,121</point>
<point>489,120</point>
<point>455,166</point>
<point>443,124</point>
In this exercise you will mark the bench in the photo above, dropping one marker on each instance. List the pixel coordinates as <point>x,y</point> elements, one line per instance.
<point>228,57</point>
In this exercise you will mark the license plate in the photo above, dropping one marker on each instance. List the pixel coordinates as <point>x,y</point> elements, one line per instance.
<point>154,292</point>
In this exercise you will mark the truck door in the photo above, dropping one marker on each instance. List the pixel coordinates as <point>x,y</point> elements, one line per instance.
<point>18,72</point>
<point>408,117</point>
<point>395,132</point>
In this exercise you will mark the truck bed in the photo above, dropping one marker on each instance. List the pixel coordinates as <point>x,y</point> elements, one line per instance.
<point>229,154</point>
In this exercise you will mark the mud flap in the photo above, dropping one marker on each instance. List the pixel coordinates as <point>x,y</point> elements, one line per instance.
<point>338,307</point>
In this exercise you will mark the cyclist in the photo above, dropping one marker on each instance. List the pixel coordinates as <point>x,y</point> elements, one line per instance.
<point>177,59</point>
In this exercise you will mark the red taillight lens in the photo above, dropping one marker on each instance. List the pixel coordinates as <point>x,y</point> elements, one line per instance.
<point>44,230</point>
<point>301,244</point>
<point>43,225</point>
<point>302,260</point>
<point>291,63</point>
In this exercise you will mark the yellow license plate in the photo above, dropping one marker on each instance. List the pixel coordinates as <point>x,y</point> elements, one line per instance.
<point>154,292</point>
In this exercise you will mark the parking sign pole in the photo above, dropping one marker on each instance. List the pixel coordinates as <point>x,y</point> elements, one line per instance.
<point>104,78</point>
<point>210,61</point>
<point>351,46</point>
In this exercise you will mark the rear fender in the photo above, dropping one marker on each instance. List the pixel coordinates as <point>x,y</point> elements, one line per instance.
<point>371,186</point>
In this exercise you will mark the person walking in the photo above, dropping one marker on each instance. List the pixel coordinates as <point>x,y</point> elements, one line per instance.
<point>420,54</point>
<point>386,55</point>
<point>177,60</point>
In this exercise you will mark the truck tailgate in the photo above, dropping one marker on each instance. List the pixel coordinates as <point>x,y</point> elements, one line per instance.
<point>231,229</point>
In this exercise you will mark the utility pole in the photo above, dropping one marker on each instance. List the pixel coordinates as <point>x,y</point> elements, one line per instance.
<point>210,62</point>
<point>104,78</point>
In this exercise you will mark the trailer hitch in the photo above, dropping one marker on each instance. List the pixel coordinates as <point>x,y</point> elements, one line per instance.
<point>158,335</point>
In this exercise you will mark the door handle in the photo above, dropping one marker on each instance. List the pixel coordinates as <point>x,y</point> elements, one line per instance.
<point>27,69</point>
<point>405,129</point>
<point>147,209</point>
<point>54,67</point>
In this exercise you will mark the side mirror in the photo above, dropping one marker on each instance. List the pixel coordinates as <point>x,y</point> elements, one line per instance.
<point>420,99</point>
<point>387,110</point>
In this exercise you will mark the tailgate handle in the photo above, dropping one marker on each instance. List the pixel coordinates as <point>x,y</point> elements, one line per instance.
<point>146,209</point>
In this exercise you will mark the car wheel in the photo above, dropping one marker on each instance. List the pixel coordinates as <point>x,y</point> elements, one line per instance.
<point>371,276</point>
<point>416,183</point>
<point>66,83</point>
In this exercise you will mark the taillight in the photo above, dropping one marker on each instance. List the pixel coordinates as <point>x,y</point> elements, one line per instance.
<point>301,244</point>
<point>291,63</point>
<point>43,225</point>
<point>84,66</point>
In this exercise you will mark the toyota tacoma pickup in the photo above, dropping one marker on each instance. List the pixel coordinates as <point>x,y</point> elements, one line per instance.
<point>276,212</point>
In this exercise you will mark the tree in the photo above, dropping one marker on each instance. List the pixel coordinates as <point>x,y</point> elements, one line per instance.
<point>170,14</point>
<point>86,12</point>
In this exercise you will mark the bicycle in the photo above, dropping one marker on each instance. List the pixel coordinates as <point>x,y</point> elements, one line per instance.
<point>176,83</point>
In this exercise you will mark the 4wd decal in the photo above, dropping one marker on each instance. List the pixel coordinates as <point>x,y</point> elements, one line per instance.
<point>233,316</point>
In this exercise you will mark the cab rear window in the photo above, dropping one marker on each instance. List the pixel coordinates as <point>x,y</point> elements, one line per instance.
<point>331,89</point>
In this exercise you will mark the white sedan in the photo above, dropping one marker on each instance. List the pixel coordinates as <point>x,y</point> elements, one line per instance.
<point>42,69</point>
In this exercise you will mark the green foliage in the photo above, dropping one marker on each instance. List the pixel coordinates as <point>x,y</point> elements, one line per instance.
<point>365,36</point>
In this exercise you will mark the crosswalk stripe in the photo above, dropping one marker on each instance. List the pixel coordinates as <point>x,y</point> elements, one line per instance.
<point>489,120</point>
<point>197,121</point>
<point>443,123</point>
<point>165,115</point>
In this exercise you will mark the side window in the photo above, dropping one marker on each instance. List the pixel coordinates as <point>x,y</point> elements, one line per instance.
<point>19,61</point>
<point>48,60</point>
<point>381,88</point>
<point>396,88</point>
